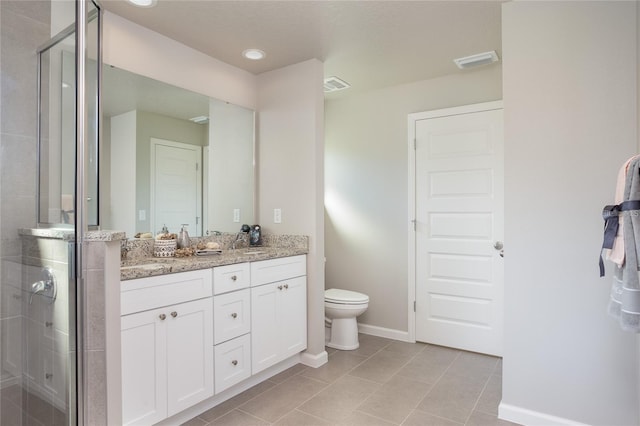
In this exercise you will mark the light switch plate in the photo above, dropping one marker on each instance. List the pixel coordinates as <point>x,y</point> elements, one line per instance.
<point>236,215</point>
<point>277,215</point>
<point>142,215</point>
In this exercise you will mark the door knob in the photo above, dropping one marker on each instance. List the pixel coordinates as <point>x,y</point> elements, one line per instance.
<point>498,245</point>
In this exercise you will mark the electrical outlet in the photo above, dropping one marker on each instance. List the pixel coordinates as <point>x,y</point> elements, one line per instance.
<point>277,215</point>
<point>236,215</point>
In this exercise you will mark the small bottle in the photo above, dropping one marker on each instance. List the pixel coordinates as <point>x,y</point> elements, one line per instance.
<point>183,239</point>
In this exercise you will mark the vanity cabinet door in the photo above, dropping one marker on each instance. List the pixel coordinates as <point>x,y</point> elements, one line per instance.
<point>167,360</point>
<point>189,354</point>
<point>144,372</point>
<point>278,321</point>
<point>265,345</point>
<point>292,321</point>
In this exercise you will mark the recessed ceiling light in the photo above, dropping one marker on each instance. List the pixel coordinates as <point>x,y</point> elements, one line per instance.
<point>144,3</point>
<point>254,54</point>
<point>477,60</point>
<point>201,119</point>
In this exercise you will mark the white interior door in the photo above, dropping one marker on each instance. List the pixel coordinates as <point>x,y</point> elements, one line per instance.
<point>176,186</point>
<point>459,220</point>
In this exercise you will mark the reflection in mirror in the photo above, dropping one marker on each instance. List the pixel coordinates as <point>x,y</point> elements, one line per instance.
<point>174,157</point>
<point>57,129</point>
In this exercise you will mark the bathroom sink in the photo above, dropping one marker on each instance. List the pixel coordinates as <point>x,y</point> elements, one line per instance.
<point>254,252</point>
<point>146,263</point>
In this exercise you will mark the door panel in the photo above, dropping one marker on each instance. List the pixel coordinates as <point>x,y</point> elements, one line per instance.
<point>459,208</point>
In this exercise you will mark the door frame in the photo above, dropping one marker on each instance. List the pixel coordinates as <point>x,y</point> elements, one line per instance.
<point>411,230</point>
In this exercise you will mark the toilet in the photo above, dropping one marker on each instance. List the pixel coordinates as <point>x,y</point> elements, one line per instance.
<point>341,307</point>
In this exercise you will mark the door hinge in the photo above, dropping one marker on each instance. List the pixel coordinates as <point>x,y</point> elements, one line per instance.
<point>196,167</point>
<point>415,144</point>
<point>414,224</point>
<point>414,306</point>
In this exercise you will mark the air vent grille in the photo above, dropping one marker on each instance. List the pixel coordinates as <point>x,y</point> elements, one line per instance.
<point>333,84</point>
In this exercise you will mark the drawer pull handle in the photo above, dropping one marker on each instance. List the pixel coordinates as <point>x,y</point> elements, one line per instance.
<point>286,286</point>
<point>174,314</point>
<point>162,317</point>
<point>48,376</point>
<point>279,287</point>
<point>234,315</point>
<point>48,324</point>
<point>234,362</point>
<point>234,277</point>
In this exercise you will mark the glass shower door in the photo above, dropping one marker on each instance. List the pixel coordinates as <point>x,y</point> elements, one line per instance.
<point>40,368</point>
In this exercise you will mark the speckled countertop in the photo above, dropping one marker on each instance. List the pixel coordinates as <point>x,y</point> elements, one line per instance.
<point>140,263</point>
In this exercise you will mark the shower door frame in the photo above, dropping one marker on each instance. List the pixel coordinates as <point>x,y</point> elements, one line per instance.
<point>77,267</point>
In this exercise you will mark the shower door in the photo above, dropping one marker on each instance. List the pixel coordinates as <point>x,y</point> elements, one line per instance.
<point>40,301</point>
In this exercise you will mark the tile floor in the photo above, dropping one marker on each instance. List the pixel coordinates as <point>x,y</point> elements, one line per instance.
<point>384,382</point>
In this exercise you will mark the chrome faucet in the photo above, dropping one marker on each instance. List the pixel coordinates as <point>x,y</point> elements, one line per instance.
<point>240,236</point>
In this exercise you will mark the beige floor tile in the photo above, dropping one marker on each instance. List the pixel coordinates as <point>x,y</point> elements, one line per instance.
<point>298,418</point>
<point>329,350</point>
<point>473,364</point>
<point>429,365</point>
<point>395,400</point>
<point>406,348</point>
<point>196,421</point>
<point>420,418</point>
<point>340,399</point>
<point>483,419</point>
<point>230,404</point>
<point>491,396</point>
<point>239,418</point>
<point>369,345</point>
<point>340,363</point>
<point>282,398</point>
<point>381,366</point>
<point>288,373</point>
<point>358,418</point>
<point>453,397</point>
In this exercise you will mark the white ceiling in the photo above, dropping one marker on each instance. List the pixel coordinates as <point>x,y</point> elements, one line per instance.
<point>370,44</point>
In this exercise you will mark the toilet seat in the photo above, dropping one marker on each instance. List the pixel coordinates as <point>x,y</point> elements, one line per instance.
<point>345,297</point>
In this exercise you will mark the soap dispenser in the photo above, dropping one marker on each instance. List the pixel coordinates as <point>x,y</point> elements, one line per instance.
<point>183,237</point>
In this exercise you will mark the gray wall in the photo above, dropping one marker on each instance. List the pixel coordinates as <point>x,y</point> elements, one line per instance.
<point>570,100</point>
<point>366,177</point>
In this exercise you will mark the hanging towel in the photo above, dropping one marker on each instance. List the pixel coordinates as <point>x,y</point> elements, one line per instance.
<point>616,254</point>
<point>624,302</point>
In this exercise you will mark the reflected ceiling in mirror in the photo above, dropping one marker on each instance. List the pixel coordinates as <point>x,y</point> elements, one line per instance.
<point>149,133</point>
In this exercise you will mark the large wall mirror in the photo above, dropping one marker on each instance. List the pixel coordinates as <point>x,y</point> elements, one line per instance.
<point>173,157</point>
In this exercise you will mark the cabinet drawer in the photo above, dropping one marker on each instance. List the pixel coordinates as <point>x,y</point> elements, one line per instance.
<point>148,293</point>
<point>268,271</point>
<point>232,362</point>
<point>232,315</point>
<point>231,277</point>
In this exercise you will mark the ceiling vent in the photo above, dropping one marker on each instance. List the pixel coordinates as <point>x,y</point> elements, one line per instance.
<point>333,84</point>
<point>201,119</point>
<point>476,60</point>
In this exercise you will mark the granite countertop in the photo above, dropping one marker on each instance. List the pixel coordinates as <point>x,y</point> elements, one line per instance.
<point>151,266</point>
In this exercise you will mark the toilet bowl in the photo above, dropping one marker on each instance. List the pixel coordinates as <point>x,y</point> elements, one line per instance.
<point>341,307</point>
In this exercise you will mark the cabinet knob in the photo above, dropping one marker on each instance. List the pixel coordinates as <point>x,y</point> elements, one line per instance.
<point>162,317</point>
<point>286,286</point>
<point>234,277</point>
<point>234,315</point>
<point>174,314</point>
<point>234,362</point>
<point>279,287</point>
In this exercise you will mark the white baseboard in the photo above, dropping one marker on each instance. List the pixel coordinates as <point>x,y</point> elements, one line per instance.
<point>527,417</point>
<point>388,333</point>
<point>314,361</point>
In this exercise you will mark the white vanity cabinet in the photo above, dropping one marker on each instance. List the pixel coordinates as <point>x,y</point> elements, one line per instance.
<point>167,345</point>
<point>278,310</point>
<point>232,325</point>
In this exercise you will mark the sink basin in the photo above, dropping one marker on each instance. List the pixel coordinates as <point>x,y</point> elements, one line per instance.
<point>146,263</point>
<point>254,252</point>
<point>145,266</point>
